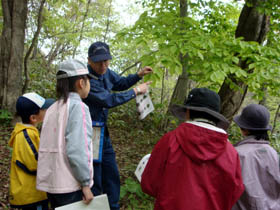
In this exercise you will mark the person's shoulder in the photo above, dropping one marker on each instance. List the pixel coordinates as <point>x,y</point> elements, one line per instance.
<point>32,132</point>
<point>111,74</point>
<point>169,135</point>
<point>249,150</point>
<point>266,149</point>
<point>84,106</point>
<point>78,106</point>
<point>29,132</point>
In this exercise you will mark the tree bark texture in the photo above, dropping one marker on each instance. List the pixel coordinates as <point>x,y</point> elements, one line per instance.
<point>11,52</point>
<point>253,26</point>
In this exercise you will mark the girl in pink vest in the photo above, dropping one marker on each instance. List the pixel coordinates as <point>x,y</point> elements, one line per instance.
<point>65,168</point>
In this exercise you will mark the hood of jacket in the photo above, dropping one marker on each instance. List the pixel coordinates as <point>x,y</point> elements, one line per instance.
<point>201,143</point>
<point>18,128</point>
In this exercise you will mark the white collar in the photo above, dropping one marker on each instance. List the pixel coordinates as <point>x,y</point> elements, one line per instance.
<point>206,125</point>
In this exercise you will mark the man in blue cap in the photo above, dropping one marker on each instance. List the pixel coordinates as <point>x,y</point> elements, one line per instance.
<point>100,100</point>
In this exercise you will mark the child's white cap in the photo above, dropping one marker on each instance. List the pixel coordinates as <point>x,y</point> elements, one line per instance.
<point>31,103</point>
<point>72,68</point>
<point>41,102</point>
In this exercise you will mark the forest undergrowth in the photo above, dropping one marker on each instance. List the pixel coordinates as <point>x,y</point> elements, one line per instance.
<point>131,139</point>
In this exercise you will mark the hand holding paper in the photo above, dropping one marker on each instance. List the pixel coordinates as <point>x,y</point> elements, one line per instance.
<point>88,196</point>
<point>98,203</point>
<point>144,105</point>
<point>142,88</point>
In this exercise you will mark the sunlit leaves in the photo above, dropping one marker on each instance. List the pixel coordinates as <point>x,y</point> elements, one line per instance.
<point>207,37</point>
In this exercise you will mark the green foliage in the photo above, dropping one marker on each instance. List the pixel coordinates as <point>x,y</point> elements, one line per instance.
<point>42,78</point>
<point>275,142</point>
<point>234,133</point>
<point>68,27</point>
<point>206,36</point>
<point>5,116</point>
<point>165,35</point>
<point>133,197</point>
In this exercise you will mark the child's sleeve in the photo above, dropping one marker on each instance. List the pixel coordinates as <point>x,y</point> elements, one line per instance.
<point>78,137</point>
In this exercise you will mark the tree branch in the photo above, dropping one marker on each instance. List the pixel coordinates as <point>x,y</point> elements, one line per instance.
<point>135,64</point>
<point>35,38</point>
<point>275,119</point>
<point>83,26</point>
<point>130,67</point>
<point>108,22</point>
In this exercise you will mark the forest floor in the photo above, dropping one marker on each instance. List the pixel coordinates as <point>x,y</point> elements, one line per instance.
<point>131,140</point>
<point>5,156</point>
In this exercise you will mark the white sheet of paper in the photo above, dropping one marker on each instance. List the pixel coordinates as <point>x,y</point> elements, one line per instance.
<point>141,166</point>
<point>144,105</point>
<point>96,142</point>
<point>98,203</point>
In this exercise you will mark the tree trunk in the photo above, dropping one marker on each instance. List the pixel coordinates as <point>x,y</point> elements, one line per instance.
<point>263,101</point>
<point>181,87</point>
<point>180,90</point>
<point>253,26</point>
<point>11,51</point>
<point>162,85</point>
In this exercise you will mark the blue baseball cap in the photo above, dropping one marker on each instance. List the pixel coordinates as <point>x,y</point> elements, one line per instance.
<point>99,51</point>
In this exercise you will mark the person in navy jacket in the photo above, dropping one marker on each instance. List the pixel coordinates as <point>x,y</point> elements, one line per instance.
<point>100,100</point>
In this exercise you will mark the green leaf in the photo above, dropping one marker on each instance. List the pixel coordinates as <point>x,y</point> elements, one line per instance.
<point>235,60</point>
<point>252,65</point>
<point>200,55</point>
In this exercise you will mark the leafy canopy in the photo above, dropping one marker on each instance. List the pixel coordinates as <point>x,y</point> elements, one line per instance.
<point>207,37</point>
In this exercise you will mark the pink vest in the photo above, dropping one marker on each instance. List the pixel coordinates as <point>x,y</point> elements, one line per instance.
<point>54,173</point>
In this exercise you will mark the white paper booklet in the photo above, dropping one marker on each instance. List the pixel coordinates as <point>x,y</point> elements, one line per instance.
<point>141,166</point>
<point>98,203</point>
<point>144,105</point>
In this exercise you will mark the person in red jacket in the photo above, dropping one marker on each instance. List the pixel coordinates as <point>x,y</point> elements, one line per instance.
<point>195,167</point>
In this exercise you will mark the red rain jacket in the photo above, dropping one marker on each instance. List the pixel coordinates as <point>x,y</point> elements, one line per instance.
<point>193,167</point>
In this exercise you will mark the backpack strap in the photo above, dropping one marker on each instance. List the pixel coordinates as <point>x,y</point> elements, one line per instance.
<point>25,169</point>
<point>30,144</point>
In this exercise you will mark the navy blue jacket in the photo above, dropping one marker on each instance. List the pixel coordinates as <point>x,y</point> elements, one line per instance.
<point>100,97</point>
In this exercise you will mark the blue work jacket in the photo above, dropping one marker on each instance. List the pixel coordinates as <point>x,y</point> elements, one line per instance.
<point>100,97</point>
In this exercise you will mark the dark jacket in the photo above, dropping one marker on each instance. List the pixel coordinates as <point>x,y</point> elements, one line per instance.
<point>193,167</point>
<point>100,98</point>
